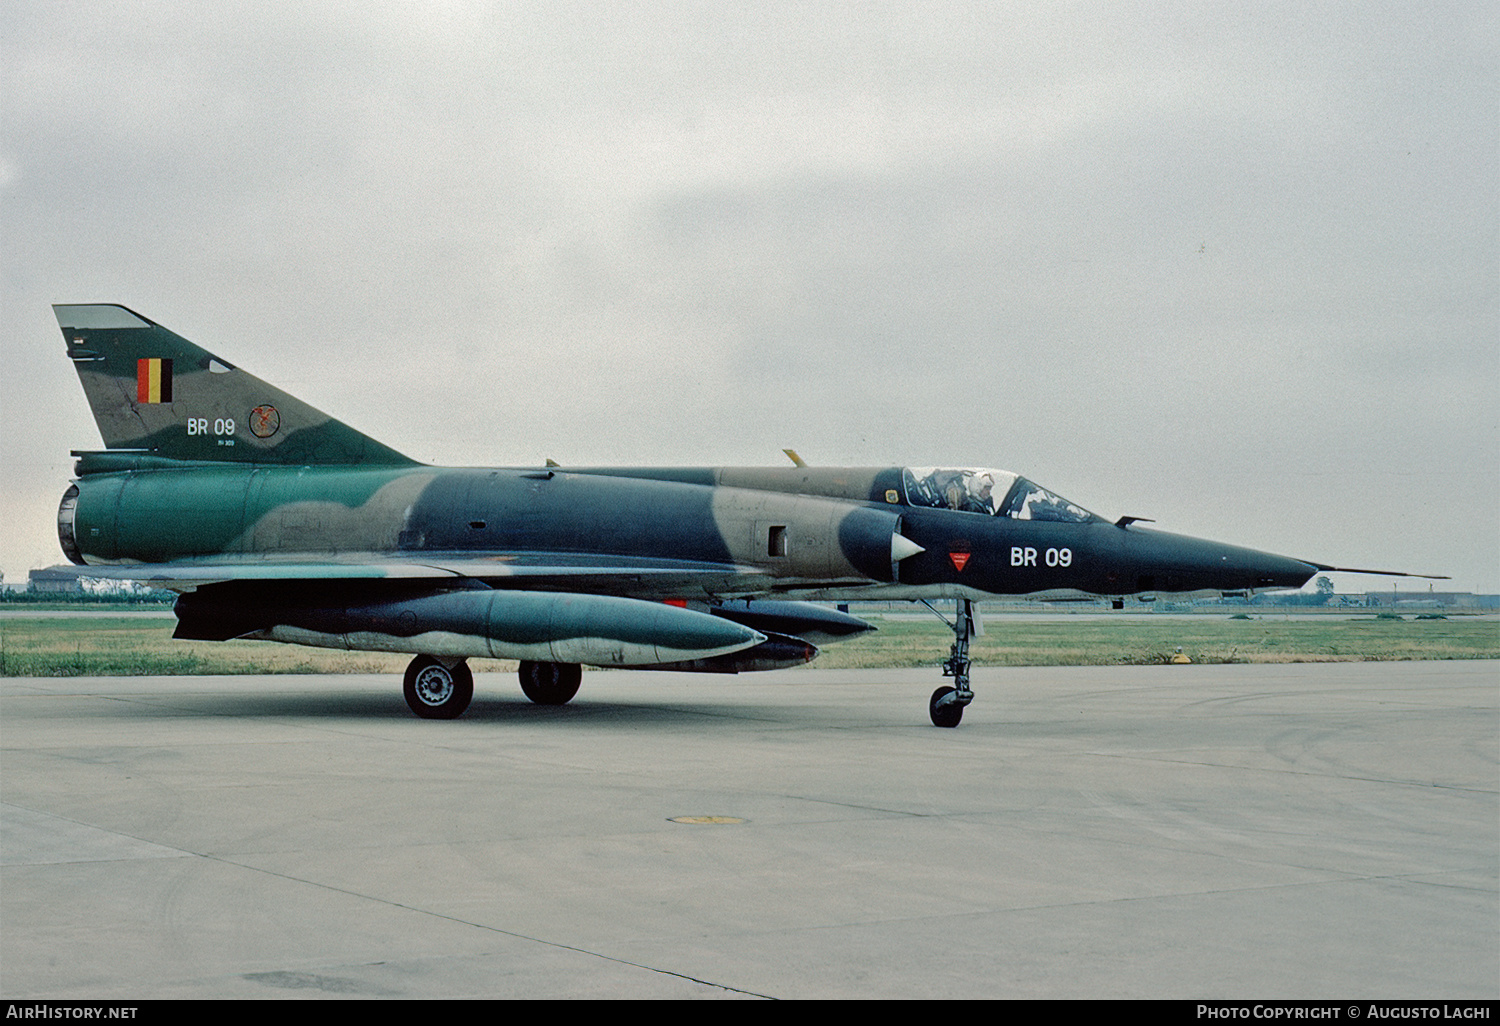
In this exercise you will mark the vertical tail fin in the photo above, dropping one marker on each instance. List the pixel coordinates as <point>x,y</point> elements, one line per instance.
<point>155,392</point>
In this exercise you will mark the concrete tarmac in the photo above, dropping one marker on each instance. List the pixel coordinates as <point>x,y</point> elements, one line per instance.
<point>1256,832</point>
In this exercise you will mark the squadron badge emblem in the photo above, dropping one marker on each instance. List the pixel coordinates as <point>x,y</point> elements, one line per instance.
<point>264,421</point>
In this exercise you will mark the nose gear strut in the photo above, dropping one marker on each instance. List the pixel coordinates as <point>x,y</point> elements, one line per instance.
<point>946,707</point>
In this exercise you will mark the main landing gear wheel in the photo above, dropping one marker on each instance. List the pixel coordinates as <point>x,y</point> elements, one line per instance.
<point>435,691</point>
<point>550,683</point>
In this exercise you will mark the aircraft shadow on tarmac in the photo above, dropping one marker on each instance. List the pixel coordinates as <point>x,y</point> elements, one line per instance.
<point>382,705</point>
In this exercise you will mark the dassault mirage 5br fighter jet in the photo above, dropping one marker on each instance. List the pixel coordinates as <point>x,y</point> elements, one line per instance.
<point>276,522</point>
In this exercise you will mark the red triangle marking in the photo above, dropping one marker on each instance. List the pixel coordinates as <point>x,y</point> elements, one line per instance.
<point>959,559</point>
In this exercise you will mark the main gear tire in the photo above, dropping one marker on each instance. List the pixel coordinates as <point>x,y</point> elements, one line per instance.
<point>435,691</point>
<point>550,683</point>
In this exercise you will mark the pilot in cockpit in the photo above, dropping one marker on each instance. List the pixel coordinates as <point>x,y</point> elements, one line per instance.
<point>981,497</point>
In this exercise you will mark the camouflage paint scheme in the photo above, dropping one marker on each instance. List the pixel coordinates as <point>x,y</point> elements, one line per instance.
<point>277,521</point>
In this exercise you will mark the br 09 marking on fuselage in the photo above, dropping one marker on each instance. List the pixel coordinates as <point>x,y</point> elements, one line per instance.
<point>1026,555</point>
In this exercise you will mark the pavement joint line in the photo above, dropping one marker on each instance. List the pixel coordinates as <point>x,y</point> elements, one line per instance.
<point>482,926</point>
<point>1299,773</point>
<point>1416,878</point>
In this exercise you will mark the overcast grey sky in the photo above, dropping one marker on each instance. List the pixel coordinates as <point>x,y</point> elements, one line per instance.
<point>1232,267</point>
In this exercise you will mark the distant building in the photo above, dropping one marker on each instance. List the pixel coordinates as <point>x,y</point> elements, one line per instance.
<point>1458,601</point>
<point>53,582</point>
<point>1428,600</point>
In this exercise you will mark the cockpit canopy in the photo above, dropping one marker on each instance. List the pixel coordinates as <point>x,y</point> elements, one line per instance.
<point>997,493</point>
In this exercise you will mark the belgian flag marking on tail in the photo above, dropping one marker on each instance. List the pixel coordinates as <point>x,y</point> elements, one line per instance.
<point>153,380</point>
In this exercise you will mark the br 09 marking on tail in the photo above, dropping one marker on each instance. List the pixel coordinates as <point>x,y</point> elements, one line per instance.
<point>222,426</point>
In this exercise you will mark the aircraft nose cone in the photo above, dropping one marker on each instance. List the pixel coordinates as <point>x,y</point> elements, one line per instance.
<point>1235,568</point>
<point>1174,563</point>
<point>1274,571</point>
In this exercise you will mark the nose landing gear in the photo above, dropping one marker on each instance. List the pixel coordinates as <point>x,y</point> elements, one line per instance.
<point>946,706</point>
